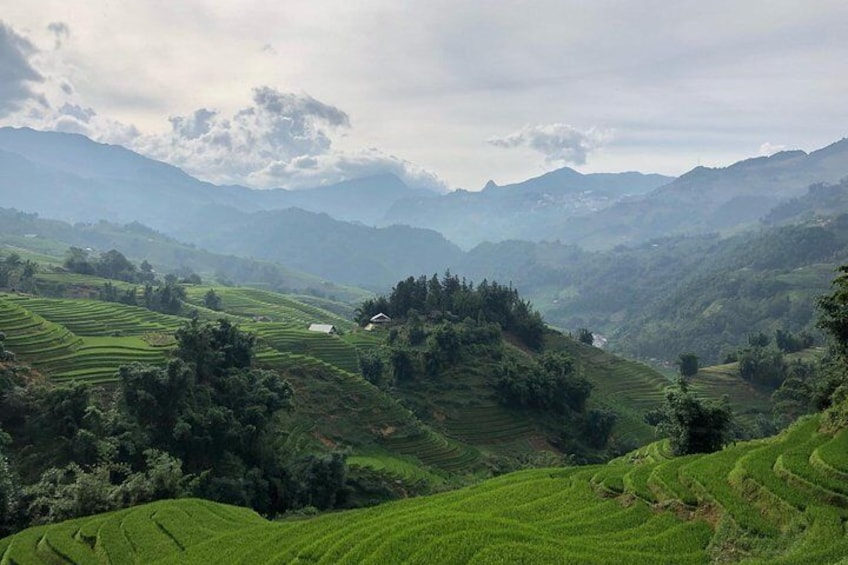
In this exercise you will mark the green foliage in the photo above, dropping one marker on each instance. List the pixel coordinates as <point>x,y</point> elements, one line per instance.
<point>457,299</point>
<point>687,364</point>
<point>692,425</point>
<point>166,298</point>
<point>585,335</point>
<point>372,367</point>
<point>550,384</point>
<point>18,273</point>
<point>762,365</point>
<point>211,300</point>
<point>790,343</point>
<point>9,490</point>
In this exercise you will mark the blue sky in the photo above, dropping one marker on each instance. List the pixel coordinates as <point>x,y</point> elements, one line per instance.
<point>445,94</point>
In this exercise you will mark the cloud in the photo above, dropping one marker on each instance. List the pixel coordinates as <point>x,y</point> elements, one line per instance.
<point>60,31</point>
<point>317,170</point>
<point>281,139</point>
<point>767,149</point>
<point>16,72</point>
<point>558,142</point>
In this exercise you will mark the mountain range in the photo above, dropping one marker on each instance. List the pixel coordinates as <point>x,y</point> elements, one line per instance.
<point>355,232</point>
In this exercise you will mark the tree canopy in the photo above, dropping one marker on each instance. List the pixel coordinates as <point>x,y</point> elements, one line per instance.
<point>452,297</point>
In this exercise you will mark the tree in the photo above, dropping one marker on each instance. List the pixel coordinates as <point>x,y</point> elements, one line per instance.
<point>585,336</point>
<point>833,308</point>
<point>688,364</point>
<point>211,300</point>
<point>113,265</point>
<point>9,494</point>
<point>402,366</point>
<point>371,365</point>
<point>692,425</point>
<point>762,365</point>
<point>77,261</point>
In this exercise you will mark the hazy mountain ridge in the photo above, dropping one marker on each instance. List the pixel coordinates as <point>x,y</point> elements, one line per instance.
<point>527,210</point>
<point>705,200</point>
<point>155,193</point>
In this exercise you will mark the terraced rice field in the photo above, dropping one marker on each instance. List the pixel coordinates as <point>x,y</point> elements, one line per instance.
<point>55,350</point>
<point>250,303</point>
<point>98,318</point>
<point>329,348</point>
<point>342,407</point>
<point>407,470</point>
<point>779,500</point>
<point>488,425</point>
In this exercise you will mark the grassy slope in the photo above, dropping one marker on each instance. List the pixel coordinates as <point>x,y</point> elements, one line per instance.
<point>779,500</point>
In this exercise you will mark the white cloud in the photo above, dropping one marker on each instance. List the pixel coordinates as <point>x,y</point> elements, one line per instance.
<point>767,149</point>
<point>315,170</point>
<point>558,142</point>
<point>281,139</point>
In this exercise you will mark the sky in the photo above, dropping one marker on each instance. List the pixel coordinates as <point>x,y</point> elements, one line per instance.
<point>444,94</point>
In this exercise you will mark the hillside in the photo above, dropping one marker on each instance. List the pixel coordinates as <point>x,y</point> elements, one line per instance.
<point>778,500</point>
<point>695,293</point>
<point>457,423</point>
<point>47,241</point>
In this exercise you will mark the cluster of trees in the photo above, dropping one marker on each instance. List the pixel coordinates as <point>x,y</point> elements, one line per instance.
<point>458,299</point>
<point>166,296</point>
<point>209,424</point>
<point>691,424</point>
<point>109,265</point>
<point>832,384</point>
<point>17,273</point>
<point>419,351</point>
<point>552,384</point>
<point>762,362</point>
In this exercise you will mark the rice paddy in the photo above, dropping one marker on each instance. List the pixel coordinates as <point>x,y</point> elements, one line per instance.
<point>778,500</point>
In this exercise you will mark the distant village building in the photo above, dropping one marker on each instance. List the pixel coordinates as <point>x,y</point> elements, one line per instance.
<point>323,328</point>
<point>380,319</point>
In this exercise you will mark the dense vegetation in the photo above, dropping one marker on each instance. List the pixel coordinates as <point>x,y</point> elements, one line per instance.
<point>207,424</point>
<point>700,294</point>
<point>458,299</point>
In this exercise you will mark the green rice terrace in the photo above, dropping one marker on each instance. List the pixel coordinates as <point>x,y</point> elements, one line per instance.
<point>777,500</point>
<point>83,340</point>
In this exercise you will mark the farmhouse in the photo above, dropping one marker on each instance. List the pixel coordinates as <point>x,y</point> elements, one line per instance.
<point>323,328</point>
<point>380,319</point>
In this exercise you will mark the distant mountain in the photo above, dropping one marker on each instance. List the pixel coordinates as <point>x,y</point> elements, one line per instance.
<point>820,201</point>
<point>527,210</point>
<point>365,200</point>
<point>316,243</point>
<point>21,232</point>
<point>71,177</point>
<point>707,200</point>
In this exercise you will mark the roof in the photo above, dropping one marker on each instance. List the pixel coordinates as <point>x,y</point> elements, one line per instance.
<point>380,318</point>
<point>323,328</point>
